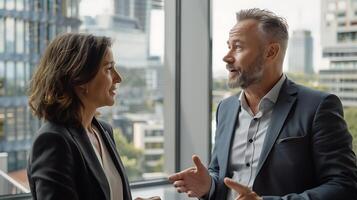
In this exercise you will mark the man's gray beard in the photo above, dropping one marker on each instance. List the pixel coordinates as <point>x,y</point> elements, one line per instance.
<point>235,82</point>
<point>247,79</point>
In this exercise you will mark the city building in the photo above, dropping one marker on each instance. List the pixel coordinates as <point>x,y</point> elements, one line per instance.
<point>26,27</point>
<point>342,82</point>
<point>138,10</point>
<point>149,136</point>
<point>339,46</point>
<point>300,52</point>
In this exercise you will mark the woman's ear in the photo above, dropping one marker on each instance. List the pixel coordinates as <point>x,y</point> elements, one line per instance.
<point>81,89</point>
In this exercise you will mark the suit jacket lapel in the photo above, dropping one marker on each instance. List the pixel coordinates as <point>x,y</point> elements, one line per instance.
<point>80,136</point>
<point>283,105</point>
<point>232,120</point>
<point>114,155</point>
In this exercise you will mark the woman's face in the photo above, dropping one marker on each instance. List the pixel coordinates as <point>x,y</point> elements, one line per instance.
<point>101,90</point>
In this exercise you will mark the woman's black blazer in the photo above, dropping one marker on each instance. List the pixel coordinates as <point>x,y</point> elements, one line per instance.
<point>63,165</point>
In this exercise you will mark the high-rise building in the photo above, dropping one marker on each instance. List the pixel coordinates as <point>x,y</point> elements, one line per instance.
<point>157,4</point>
<point>300,52</point>
<point>339,45</point>
<point>149,136</point>
<point>135,9</point>
<point>26,27</point>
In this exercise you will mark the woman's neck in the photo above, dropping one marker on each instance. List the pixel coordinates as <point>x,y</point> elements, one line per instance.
<point>87,117</point>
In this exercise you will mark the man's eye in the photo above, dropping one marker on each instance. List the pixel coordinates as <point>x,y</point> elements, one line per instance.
<point>238,48</point>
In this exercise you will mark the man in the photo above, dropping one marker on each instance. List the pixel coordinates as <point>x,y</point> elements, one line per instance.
<point>276,139</point>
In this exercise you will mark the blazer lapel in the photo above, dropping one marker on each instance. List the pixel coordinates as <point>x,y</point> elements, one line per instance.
<point>232,120</point>
<point>281,110</point>
<point>80,136</point>
<point>114,155</point>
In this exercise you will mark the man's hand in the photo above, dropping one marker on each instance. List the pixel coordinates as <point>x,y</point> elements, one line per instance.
<point>194,181</point>
<point>151,198</point>
<point>244,192</point>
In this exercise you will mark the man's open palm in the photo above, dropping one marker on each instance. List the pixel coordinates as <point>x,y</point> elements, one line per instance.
<point>195,181</point>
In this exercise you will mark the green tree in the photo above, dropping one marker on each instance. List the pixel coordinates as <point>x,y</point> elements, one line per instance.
<point>351,119</point>
<point>308,80</point>
<point>130,155</point>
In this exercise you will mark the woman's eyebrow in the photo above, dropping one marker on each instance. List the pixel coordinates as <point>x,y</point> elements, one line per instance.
<point>109,62</point>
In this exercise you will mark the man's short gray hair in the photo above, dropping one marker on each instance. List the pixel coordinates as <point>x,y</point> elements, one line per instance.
<point>272,26</point>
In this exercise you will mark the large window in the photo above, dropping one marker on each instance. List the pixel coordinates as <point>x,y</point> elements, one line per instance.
<point>149,144</point>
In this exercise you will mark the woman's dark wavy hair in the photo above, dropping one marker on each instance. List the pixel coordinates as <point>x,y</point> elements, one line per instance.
<point>70,60</point>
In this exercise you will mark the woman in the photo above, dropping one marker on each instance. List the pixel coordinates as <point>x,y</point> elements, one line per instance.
<point>74,155</point>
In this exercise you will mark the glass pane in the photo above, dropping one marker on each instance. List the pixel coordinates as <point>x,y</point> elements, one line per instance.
<point>20,78</point>
<point>10,4</point>
<point>2,124</point>
<point>20,125</point>
<point>69,8</point>
<point>10,34</point>
<point>27,37</point>
<point>2,35</point>
<point>137,117</point>
<point>10,124</point>
<point>10,79</point>
<point>27,5</point>
<point>2,78</point>
<point>27,74</point>
<point>20,5</point>
<point>19,36</point>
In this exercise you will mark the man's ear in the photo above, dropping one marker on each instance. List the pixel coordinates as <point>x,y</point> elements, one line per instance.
<point>272,51</point>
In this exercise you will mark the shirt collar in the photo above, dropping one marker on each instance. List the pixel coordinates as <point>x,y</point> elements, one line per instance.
<point>271,96</point>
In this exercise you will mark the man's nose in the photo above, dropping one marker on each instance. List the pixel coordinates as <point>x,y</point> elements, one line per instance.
<point>228,58</point>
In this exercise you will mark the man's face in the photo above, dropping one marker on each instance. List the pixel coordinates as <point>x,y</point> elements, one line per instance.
<point>245,55</point>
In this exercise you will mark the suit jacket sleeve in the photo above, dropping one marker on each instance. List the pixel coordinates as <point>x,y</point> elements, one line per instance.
<point>334,160</point>
<point>214,167</point>
<point>52,168</point>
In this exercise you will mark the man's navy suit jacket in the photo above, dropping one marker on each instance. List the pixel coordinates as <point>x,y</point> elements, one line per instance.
<point>307,152</point>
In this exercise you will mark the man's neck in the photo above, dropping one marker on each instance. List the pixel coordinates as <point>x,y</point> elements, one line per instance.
<point>254,93</point>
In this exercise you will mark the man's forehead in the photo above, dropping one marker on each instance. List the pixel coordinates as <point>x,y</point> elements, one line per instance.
<point>243,27</point>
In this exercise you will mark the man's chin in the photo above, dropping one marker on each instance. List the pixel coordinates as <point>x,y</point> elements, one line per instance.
<point>232,84</point>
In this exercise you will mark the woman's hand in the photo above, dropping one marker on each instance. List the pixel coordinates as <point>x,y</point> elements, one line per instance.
<point>151,198</point>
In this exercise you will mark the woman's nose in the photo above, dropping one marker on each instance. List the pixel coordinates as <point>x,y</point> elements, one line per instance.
<point>117,77</point>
